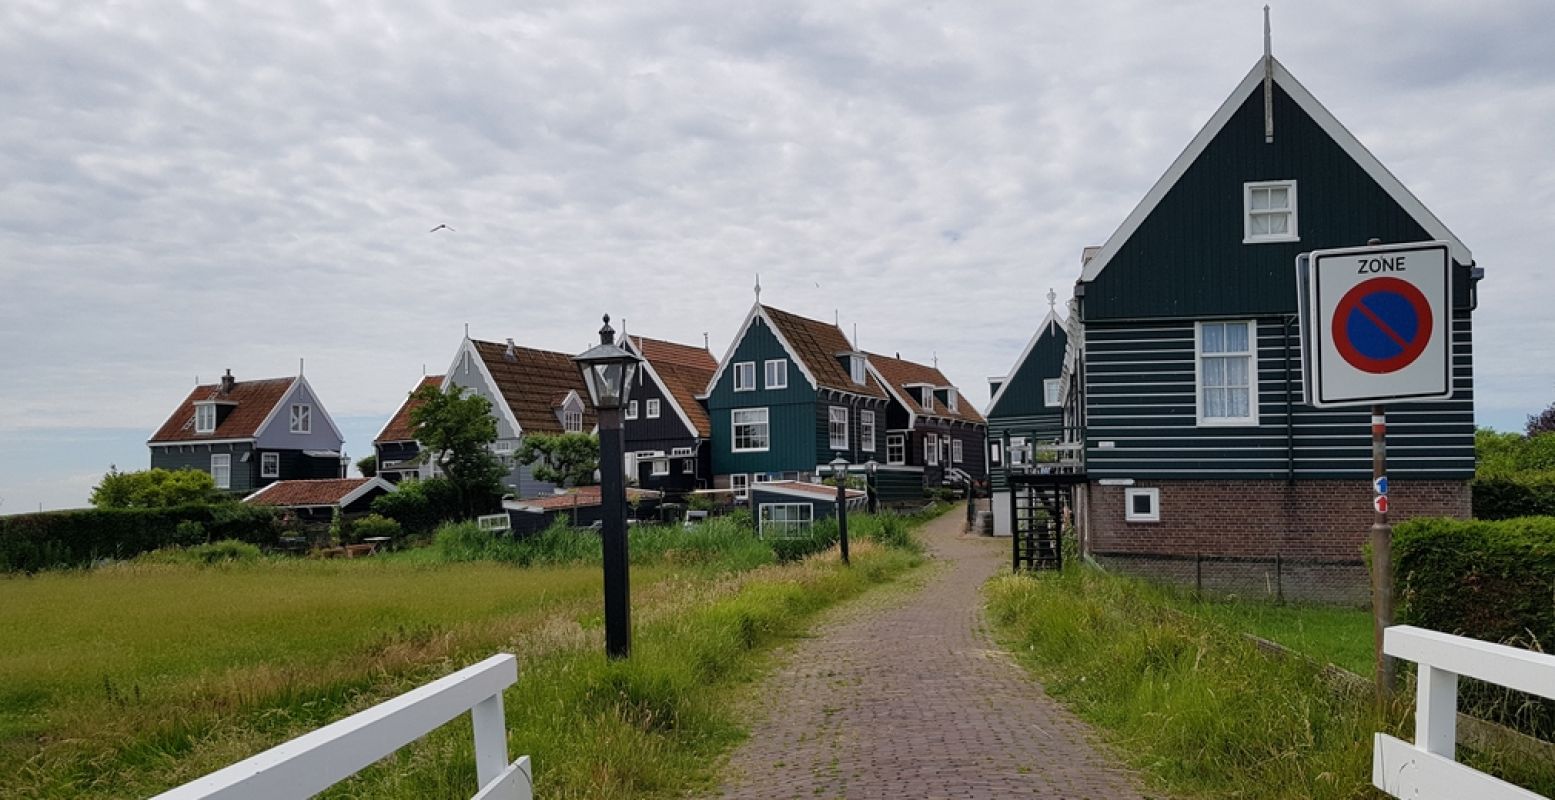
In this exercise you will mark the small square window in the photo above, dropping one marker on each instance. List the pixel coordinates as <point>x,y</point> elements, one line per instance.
<point>572,422</point>
<point>269,465</point>
<point>205,418</point>
<point>1269,212</point>
<point>661,466</point>
<point>777,373</point>
<point>302,418</point>
<point>1142,505</point>
<point>1050,392</point>
<point>653,408</point>
<point>631,409</point>
<point>741,486</point>
<point>745,376</point>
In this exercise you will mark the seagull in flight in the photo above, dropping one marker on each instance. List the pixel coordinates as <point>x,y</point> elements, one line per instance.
<point>442,227</point>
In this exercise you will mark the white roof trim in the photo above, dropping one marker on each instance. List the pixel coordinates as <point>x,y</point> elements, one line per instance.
<point>669,395</point>
<point>285,400</point>
<point>1325,120</point>
<point>367,486</point>
<point>723,363</point>
<point>182,442</point>
<point>491,383</point>
<point>261,491</point>
<point>396,413</point>
<point>1051,321</point>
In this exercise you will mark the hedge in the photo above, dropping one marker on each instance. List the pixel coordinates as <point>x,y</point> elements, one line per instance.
<point>30,542</point>
<point>1511,495</point>
<point>1489,580</point>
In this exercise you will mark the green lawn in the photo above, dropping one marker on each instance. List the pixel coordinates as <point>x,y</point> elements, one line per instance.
<point>1339,636</point>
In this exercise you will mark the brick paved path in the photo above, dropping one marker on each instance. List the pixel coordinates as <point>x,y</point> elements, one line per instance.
<point>903,696</point>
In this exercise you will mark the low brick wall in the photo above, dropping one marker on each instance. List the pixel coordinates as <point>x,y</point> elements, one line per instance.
<point>1318,528</point>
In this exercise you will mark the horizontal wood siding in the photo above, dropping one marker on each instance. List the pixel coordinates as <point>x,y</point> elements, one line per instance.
<point>1023,393</point>
<point>894,485</point>
<point>791,430</point>
<point>245,474</point>
<point>1141,397</point>
<point>855,454</point>
<point>1045,427</point>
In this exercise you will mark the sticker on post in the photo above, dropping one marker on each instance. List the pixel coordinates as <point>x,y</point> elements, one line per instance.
<point>1380,502</point>
<point>1380,485</point>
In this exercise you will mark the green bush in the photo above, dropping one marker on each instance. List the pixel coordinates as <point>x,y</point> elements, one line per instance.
<point>421,506</point>
<point>375,525</point>
<point>226,551</point>
<point>823,534</point>
<point>30,542</point>
<point>1486,580</point>
<point>1510,495</point>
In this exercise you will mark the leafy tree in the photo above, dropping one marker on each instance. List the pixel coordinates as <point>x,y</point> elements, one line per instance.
<point>456,431</point>
<point>567,459</point>
<point>1511,453</point>
<point>420,505</point>
<point>1542,422</point>
<point>368,466</point>
<point>156,488</point>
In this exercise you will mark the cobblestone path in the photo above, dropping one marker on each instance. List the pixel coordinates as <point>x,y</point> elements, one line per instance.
<point>905,696</point>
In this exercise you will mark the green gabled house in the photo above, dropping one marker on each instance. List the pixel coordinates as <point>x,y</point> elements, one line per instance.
<point>791,395</point>
<point>1189,381</point>
<point>1025,409</point>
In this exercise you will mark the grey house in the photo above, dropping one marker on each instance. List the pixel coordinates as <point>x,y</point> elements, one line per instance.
<point>248,434</point>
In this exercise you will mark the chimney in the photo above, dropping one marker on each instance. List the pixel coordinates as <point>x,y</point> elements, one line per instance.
<point>227,382</point>
<point>510,354</point>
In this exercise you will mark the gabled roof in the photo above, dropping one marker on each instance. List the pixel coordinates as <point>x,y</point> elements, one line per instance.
<point>1050,324</point>
<point>581,497</point>
<point>530,381</point>
<point>816,344</point>
<point>399,428</point>
<point>898,374</point>
<point>817,491</point>
<point>316,494</point>
<point>683,371</point>
<point>1325,120</point>
<point>252,401</point>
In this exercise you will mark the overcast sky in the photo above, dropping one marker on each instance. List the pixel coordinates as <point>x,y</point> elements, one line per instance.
<point>195,186</point>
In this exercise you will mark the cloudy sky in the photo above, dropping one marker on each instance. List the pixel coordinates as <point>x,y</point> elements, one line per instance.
<point>187,187</point>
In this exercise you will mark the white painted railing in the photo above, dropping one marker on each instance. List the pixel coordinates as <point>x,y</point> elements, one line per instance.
<point>1428,769</point>
<point>315,761</point>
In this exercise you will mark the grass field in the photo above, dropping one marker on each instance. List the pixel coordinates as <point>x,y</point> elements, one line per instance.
<point>126,680</point>
<point>1338,636</point>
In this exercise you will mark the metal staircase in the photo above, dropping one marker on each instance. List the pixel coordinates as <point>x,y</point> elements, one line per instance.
<point>1036,515</point>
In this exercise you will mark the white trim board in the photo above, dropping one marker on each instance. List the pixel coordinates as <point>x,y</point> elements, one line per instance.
<point>1324,119</point>
<point>723,363</point>
<point>468,344</point>
<point>647,366</point>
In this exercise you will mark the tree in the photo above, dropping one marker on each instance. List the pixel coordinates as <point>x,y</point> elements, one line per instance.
<point>156,488</point>
<point>368,466</point>
<point>1542,422</point>
<point>568,459</point>
<point>456,431</point>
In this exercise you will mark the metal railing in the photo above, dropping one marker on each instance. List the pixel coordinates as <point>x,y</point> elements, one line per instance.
<point>1428,769</point>
<point>315,761</point>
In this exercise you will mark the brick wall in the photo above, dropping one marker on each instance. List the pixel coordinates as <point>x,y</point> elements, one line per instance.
<point>1310,524</point>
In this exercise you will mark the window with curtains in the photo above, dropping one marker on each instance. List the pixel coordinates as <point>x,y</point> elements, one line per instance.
<point>838,428</point>
<point>221,470</point>
<point>1269,212</point>
<point>931,450</point>
<point>866,431</point>
<point>1227,374</point>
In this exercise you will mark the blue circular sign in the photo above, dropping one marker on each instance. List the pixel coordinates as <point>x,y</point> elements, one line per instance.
<point>1382,325</point>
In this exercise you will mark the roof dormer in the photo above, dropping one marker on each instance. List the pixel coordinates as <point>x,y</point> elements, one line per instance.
<point>854,362</point>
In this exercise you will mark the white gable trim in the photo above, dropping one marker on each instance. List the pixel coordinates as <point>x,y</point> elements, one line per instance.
<point>750,318</point>
<point>1325,120</point>
<point>397,408</point>
<point>668,395</point>
<point>286,399</point>
<point>890,388</point>
<point>1050,322</point>
<point>267,487</point>
<point>468,346</point>
<point>367,486</point>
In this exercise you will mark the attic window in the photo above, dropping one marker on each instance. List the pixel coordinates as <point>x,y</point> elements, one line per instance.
<point>1050,392</point>
<point>572,421</point>
<point>205,418</point>
<point>856,369</point>
<point>950,398</point>
<point>1269,212</point>
<point>926,397</point>
<point>302,418</point>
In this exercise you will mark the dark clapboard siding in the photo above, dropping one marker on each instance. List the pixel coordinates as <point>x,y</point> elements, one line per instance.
<point>1140,395</point>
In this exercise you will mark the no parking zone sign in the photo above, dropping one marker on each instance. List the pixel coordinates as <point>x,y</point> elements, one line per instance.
<point>1376,324</point>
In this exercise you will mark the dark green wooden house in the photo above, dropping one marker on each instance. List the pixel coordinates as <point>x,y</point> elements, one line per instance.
<point>1025,410</point>
<point>1188,387</point>
<point>791,395</point>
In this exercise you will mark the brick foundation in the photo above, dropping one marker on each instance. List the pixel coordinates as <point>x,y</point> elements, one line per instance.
<point>1311,525</point>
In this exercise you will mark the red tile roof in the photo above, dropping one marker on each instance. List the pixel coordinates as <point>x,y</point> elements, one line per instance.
<point>817,490</point>
<point>531,381</point>
<point>685,372</point>
<point>817,344</point>
<point>298,494</point>
<point>581,497</point>
<point>400,428</point>
<point>901,373</point>
<point>253,402</point>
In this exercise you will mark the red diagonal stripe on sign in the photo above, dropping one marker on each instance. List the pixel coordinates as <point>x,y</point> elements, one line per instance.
<point>1383,326</point>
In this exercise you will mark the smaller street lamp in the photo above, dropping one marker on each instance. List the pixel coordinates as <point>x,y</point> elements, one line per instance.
<point>839,470</point>
<point>870,467</point>
<point>608,370</point>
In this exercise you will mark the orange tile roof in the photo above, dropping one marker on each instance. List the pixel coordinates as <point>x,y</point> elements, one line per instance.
<point>531,380</point>
<point>254,400</point>
<point>581,497</point>
<point>685,372</point>
<point>817,490</point>
<point>901,373</point>
<point>296,494</point>
<point>400,428</point>
<point>817,344</point>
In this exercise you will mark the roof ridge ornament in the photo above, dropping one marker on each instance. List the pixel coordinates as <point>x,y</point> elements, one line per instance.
<point>758,288</point>
<point>1268,80</point>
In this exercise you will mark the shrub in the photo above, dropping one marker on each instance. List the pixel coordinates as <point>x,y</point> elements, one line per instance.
<point>224,551</point>
<point>823,534</point>
<point>420,506</point>
<point>30,542</point>
<point>375,525</point>
<point>156,488</point>
<point>1510,495</point>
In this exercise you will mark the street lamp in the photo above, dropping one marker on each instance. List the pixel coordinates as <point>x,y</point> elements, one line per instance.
<point>839,470</point>
<point>608,370</point>
<point>870,467</point>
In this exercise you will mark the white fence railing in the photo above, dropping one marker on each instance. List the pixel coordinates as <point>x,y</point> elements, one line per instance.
<point>315,761</point>
<point>1428,769</point>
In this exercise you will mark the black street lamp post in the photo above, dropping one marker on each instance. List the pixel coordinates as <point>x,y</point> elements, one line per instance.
<point>608,370</point>
<point>839,470</point>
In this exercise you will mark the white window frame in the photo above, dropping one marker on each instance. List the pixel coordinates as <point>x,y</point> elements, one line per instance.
<point>955,451</point>
<point>1051,389</point>
<point>926,398</point>
<point>1130,515</point>
<point>761,477</point>
<point>996,453</point>
<point>681,452</point>
<point>1018,455</point>
<point>631,409</point>
<point>221,470</point>
<point>660,468</point>
<point>931,450</point>
<point>837,416</point>
<point>896,443</point>
<point>734,430</point>
<point>866,430</point>
<point>1251,354</point>
<point>950,398</point>
<point>269,465</point>
<point>745,376</point>
<point>1292,233</point>
<point>740,484</point>
<point>775,373</point>
<point>205,413</point>
<point>652,407</point>
<point>301,419</point>
<point>572,421</point>
<point>798,521</point>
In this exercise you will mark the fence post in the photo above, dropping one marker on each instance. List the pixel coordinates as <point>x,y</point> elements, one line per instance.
<point>1279,578</point>
<point>491,739</point>
<point>1436,711</point>
<point>1198,573</point>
